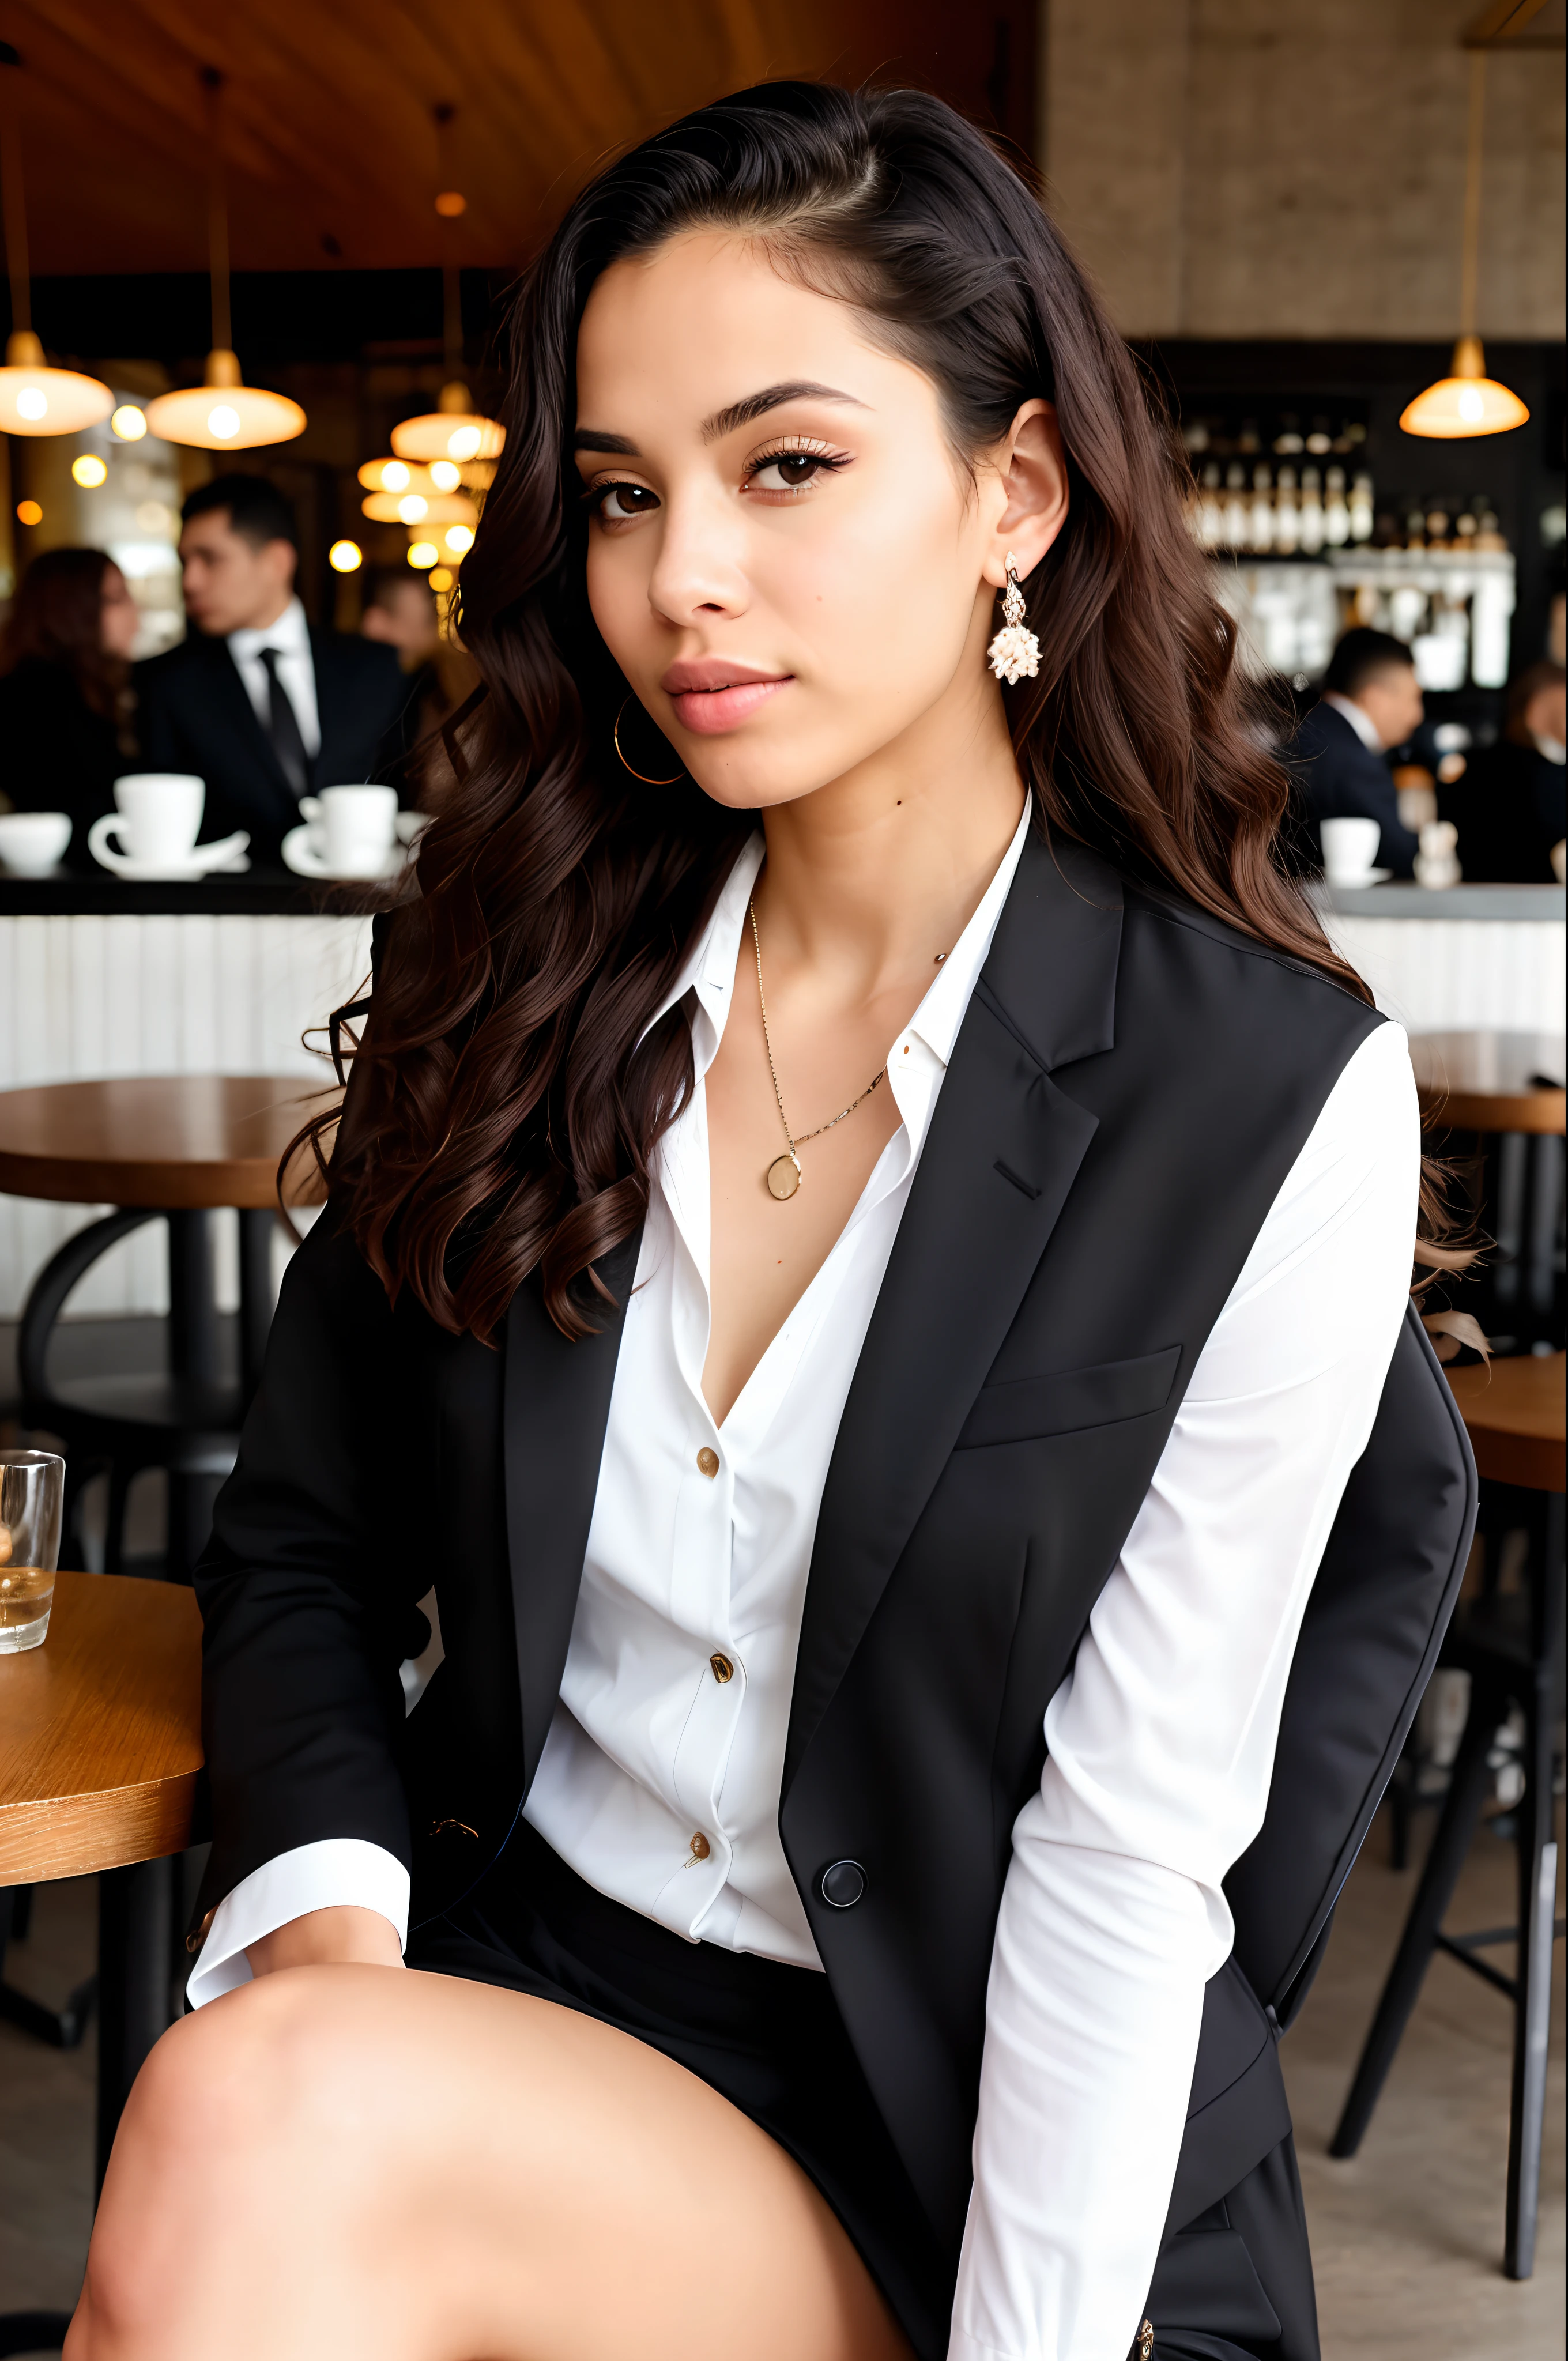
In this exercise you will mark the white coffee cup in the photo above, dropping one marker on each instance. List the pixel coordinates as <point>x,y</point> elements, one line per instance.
<point>1350,849</point>
<point>32,842</point>
<point>353,829</point>
<point>160,813</point>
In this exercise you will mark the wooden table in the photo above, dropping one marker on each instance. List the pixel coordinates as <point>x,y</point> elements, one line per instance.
<point>1491,1081</point>
<point>178,1147</point>
<point>100,1746</point>
<point>1513,1414</point>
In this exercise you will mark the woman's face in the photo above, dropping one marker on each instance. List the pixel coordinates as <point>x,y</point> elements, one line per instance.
<point>785,559</point>
<point>117,616</point>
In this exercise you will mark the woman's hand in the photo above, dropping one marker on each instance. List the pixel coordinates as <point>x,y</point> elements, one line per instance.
<point>344,1936</point>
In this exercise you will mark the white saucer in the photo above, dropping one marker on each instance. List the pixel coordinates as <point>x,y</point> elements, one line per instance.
<point>1354,886</point>
<point>299,855</point>
<point>226,857</point>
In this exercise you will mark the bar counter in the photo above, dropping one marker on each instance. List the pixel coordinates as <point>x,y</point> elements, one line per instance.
<point>99,976</point>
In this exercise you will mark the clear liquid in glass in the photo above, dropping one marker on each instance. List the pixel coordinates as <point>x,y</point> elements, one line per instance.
<point>26,1594</point>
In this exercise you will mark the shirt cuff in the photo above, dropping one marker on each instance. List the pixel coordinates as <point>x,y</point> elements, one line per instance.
<point>324,1876</point>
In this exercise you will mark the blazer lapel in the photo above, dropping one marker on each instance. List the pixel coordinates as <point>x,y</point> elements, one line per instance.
<point>240,718</point>
<point>555,1406</point>
<point>1002,1154</point>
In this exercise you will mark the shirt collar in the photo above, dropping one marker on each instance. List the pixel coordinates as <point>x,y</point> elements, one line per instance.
<point>709,969</point>
<point>1359,721</point>
<point>937,1021</point>
<point>290,635</point>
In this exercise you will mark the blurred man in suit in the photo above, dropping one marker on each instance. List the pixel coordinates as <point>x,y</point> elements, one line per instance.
<point>256,702</point>
<point>1370,701</point>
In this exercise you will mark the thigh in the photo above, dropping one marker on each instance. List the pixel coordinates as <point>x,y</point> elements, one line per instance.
<point>444,2171</point>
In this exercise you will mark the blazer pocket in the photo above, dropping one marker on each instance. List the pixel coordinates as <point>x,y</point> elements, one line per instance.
<point>1020,1409</point>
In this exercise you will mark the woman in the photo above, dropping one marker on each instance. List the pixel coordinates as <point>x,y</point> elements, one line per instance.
<point>1509,804</point>
<point>862,1321</point>
<point>65,698</point>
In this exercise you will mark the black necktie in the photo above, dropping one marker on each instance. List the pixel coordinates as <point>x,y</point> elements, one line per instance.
<point>283,727</point>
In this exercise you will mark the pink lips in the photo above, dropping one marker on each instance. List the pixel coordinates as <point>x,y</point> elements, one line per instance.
<point>710,697</point>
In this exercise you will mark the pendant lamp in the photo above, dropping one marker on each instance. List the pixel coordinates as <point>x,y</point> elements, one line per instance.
<point>1467,401</point>
<point>454,430</point>
<point>34,398</point>
<point>222,414</point>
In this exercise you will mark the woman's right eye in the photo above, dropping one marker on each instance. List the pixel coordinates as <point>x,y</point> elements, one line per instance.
<point>619,503</point>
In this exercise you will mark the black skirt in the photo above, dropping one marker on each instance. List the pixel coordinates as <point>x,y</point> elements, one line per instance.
<point>768,2038</point>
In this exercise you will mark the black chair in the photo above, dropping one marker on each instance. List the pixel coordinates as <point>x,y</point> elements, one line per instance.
<point>1511,1646</point>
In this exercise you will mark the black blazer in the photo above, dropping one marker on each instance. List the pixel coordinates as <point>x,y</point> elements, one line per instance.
<point>56,753</point>
<point>1130,1084</point>
<point>1508,808</point>
<point>195,715</point>
<point>1341,779</point>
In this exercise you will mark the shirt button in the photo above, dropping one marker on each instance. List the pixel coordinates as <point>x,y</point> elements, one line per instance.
<point>723,1669</point>
<point>700,1847</point>
<point>707,1461</point>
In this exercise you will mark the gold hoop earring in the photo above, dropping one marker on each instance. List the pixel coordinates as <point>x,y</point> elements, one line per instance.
<point>615,740</point>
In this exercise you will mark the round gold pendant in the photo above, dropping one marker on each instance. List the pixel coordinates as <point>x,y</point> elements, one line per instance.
<point>783,1178</point>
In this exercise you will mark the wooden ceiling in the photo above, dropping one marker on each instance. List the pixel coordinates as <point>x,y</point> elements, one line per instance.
<point>330,140</point>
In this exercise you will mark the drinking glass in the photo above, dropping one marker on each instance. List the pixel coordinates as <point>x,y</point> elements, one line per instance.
<point>32,1491</point>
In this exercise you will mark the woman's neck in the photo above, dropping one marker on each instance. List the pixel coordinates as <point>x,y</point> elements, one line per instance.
<point>878,872</point>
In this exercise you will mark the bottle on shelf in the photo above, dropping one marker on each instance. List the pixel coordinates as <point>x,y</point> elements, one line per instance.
<point>1238,515</point>
<point>1310,531</point>
<point>1336,513</point>
<point>1262,525</point>
<point>1210,514</point>
<point>1286,517</point>
<point>1489,533</point>
<point>1361,513</point>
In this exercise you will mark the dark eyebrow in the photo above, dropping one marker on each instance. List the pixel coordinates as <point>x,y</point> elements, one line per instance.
<point>723,422</point>
<point>755,405</point>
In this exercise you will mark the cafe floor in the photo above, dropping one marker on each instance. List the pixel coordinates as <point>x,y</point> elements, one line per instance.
<point>1407,2237</point>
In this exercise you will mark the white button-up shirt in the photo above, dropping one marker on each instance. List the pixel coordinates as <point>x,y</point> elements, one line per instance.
<point>1161,1741</point>
<point>290,635</point>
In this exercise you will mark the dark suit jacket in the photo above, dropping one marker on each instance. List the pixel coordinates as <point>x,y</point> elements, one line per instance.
<point>1507,807</point>
<point>1129,1088</point>
<point>1341,779</point>
<point>56,753</point>
<point>195,715</point>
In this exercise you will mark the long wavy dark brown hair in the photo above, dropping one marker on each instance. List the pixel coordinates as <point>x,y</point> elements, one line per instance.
<point>506,1098</point>
<point>57,619</point>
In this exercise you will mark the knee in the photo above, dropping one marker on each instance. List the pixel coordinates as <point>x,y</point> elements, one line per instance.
<point>240,2106</point>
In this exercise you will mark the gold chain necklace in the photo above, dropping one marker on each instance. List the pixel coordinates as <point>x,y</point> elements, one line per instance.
<point>784,1175</point>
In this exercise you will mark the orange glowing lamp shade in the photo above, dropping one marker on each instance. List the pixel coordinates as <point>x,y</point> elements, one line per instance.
<point>423,508</point>
<point>222,414</point>
<point>29,512</point>
<point>345,557</point>
<point>423,555</point>
<point>453,431</point>
<point>450,204</point>
<point>1467,403</point>
<point>37,400</point>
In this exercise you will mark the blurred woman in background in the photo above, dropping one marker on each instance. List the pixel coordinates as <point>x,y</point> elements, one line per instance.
<point>1509,804</point>
<point>65,698</point>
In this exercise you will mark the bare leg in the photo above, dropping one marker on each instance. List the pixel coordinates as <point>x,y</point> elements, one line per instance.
<point>346,2162</point>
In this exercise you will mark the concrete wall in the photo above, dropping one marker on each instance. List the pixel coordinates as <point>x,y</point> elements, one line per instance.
<point>1296,168</point>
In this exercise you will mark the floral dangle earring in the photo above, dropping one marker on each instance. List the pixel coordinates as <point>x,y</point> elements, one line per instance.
<point>1014,653</point>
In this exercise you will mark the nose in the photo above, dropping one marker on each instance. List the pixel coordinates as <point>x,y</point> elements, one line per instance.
<point>698,570</point>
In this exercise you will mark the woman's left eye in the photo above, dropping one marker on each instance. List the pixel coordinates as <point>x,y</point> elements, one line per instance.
<point>790,471</point>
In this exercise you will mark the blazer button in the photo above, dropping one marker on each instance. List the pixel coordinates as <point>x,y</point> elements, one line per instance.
<point>842,1884</point>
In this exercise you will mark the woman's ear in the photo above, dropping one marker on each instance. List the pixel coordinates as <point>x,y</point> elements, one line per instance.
<point>1030,467</point>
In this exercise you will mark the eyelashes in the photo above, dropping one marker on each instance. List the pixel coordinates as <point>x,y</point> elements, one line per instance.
<point>797,461</point>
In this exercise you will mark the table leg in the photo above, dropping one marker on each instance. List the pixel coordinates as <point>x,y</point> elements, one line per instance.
<point>135,1964</point>
<point>255,1293</point>
<point>192,1357</point>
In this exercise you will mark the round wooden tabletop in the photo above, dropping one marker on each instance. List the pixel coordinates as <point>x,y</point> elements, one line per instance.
<point>101,1730</point>
<point>175,1141</point>
<point>1513,1414</point>
<point>1491,1081</point>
